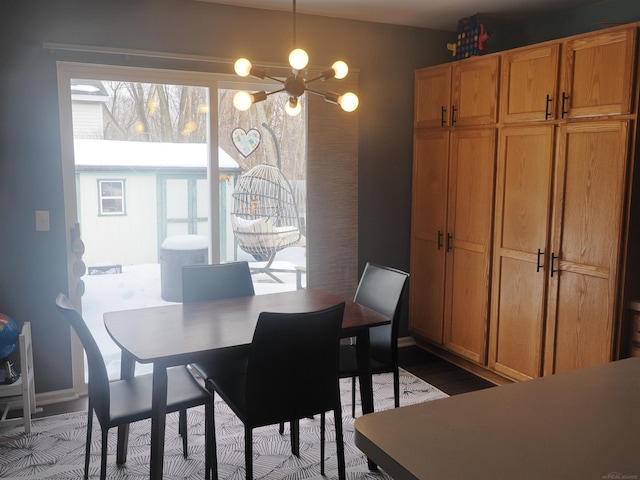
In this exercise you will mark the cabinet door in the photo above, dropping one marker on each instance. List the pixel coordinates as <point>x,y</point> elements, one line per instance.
<point>429,220</point>
<point>475,91</point>
<point>523,206</point>
<point>587,234</point>
<point>432,96</point>
<point>529,84</point>
<point>598,74</point>
<point>468,243</point>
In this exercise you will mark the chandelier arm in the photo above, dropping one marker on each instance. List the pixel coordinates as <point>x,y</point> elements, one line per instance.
<point>294,25</point>
<point>275,91</point>
<point>319,77</point>
<point>275,79</point>
<point>315,92</point>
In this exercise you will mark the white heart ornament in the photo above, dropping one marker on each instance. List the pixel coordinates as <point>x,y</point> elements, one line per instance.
<point>245,142</point>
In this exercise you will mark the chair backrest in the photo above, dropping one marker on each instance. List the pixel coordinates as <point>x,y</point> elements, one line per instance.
<point>292,371</point>
<point>98,377</point>
<point>201,283</point>
<point>382,289</point>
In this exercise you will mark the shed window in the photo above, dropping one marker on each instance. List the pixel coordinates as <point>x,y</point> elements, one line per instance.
<point>111,197</point>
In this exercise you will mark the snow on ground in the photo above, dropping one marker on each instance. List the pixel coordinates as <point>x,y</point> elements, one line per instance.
<point>139,286</point>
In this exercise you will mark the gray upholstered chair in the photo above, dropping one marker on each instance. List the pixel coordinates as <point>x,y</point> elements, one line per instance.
<point>292,361</point>
<point>381,289</point>
<point>126,401</point>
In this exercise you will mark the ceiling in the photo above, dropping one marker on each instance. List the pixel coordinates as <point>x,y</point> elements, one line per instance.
<point>435,14</point>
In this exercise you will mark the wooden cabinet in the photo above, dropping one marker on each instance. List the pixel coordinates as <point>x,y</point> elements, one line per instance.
<point>529,86</point>
<point>556,256</point>
<point>453,180</point>
<point>429,221</point>
<point>588,225</point>
<point>529,281</point>
<point>597,74</point>
<point>468,242</point>
<point>458,94</point>
<point>474,94</point>
<point>597,78</point>
<point>432,97</point>
<point>523,216</point>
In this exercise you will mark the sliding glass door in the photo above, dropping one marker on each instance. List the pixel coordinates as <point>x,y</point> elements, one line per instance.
<point>152,159</point>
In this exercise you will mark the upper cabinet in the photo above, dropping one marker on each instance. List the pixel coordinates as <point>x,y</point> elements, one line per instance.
<point>460,94</point>
<point>597,74</point>
<point>529,84</point>
<point>474,96</point>
<point>432,97</point>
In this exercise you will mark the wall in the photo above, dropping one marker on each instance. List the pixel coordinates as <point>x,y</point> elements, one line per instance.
<point>33,265</point>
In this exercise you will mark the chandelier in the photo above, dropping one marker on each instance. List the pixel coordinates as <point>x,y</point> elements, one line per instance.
<point>296,83</point>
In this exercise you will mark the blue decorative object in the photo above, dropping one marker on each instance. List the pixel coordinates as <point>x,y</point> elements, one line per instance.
<point>8,335</point>
<point>471,39</point>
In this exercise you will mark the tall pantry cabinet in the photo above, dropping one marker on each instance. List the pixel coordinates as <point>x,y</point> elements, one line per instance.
<point>559,218</point>
<point>453,184</point>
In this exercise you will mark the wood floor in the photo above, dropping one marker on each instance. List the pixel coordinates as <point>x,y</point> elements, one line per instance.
<point>438,372</point>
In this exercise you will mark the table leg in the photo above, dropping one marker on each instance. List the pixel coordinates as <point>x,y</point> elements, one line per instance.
<point>127,370</point>
<point>158,420</point>
<point>366,384</point>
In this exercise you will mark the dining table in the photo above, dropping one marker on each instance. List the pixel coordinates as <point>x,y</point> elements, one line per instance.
<point>180,334</point>
<point>579,424</point>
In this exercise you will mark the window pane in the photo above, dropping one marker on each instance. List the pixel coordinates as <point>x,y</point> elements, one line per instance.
<point>112,205</point>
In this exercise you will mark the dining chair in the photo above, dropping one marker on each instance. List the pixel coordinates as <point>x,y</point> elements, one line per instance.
<point>122,402</point>
<point>291,373</point>
<point>382,289</point>
<point>201,283</point>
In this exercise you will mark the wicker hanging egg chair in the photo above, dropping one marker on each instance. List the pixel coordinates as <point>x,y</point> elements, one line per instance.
<point>264,216</point>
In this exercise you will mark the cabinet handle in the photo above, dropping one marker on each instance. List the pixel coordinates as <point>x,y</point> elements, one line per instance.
<point>547,113</point>
<point>565,97</point>
<point>443,116</point>
<point>553,263</point>
<point>439,239</point>
<point>453,114</point>
<point>449,238</point>
<point>538,264</point>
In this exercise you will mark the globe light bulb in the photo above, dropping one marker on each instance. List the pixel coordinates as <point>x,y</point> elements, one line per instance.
<point>341,69</point>
<point>242,101</point>
<point>293,107</point>
<point>242,67</point>
<point>298,59</point>
<point>349,102</point>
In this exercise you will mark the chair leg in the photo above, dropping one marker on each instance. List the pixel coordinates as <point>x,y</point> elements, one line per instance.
<point>295,437</point>
<point>353,397</point>
<point>337,414</point>
<point>248,452</point>
<point>211,453</point>
<point>396,387</point>
<point>87,450</point>
<point>103,455</point>
<point>281,429</point>
<point>322,438</point>
<point>182,430</point>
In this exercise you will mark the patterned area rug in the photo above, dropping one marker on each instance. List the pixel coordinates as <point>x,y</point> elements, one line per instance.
<point>55,448</point>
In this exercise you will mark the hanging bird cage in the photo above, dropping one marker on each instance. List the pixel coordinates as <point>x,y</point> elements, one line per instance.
<point>265,216</point>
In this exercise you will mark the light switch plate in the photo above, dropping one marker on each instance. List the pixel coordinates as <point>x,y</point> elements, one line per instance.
<point>42,220</point>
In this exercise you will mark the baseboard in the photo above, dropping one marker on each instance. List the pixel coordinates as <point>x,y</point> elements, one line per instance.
<point>406,342</point>
<point>57,396</point>
<point>471,367</point>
